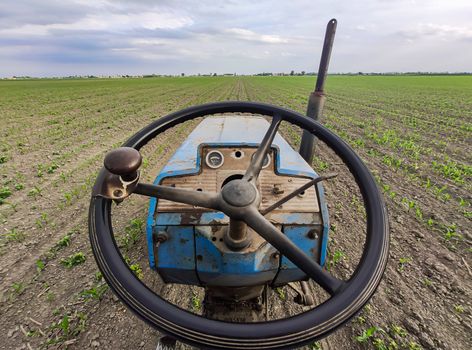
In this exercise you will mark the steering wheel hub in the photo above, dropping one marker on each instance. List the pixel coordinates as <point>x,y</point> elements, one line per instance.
<point>239,193</point>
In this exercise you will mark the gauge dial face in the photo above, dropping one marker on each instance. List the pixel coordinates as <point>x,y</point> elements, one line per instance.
<point>215,159</point>
<point>266,162</point>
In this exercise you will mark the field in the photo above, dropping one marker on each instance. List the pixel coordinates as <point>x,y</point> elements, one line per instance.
<point>414,133</point>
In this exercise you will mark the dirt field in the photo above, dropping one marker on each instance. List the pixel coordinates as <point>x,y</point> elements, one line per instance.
<point>414,133</point>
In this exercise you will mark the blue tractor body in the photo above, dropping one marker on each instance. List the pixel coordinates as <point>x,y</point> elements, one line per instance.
<point>186,244</point>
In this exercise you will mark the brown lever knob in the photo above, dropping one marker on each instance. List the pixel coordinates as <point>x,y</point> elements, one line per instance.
<point>123,161</point>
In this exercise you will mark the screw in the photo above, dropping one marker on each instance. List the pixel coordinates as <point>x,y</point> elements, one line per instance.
<point>312,234</point>
<point>277,189</point>
<point>161,237</point>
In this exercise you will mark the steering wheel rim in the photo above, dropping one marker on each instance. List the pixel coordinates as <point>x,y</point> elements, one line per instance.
<point>283,333</point>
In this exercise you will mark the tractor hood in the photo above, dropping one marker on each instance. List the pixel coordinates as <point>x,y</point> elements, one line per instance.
<point>237,130</point>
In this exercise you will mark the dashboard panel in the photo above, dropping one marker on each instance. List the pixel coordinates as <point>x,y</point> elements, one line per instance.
<point>219,165</point>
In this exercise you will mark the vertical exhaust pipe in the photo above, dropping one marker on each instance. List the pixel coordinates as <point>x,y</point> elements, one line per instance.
<point>317,97</point>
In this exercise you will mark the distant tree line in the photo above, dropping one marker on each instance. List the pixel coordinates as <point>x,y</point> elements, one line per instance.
<point>263,74</point>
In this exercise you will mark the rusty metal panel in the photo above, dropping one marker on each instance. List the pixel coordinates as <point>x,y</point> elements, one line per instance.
<point>217,265</point>
<point>272,186</point>
<point>307,238</point>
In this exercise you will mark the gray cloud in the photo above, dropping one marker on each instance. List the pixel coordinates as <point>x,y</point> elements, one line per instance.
<point>53,37</point>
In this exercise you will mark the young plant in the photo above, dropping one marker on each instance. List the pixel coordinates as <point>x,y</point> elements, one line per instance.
<point>35,192</point>
<point>366,334</point>
<point>73,260</point>
<point>336,258</point>
<point>96,292</point>
<point>14,235</point>
<point>459,309</point>
<point>132,233</point>
<point>315,346</point>
<point>196,302</point>
<point>5,192</point>
<point>40,265</point>
<point>281,293</point>
<point>402,263</point>
<point>68,327</point>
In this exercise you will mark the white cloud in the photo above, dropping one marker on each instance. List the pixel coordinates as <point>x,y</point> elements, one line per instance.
<point>445,31</point>
<point>137,37</point>
<point>249,35</point>
<point>109,22</point>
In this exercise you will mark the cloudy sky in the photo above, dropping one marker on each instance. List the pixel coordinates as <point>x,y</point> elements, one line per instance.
<point>61,37</point>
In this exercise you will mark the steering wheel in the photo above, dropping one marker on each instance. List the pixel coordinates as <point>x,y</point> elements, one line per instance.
<point>239,199</point>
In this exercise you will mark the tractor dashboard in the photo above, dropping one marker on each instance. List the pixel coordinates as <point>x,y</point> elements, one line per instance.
<point>186,243</point>
<point>233,163</point>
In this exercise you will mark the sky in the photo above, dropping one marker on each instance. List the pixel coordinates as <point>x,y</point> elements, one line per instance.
<point>105,37</point>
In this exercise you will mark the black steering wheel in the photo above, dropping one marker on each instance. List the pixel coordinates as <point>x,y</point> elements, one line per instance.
<point>239,199</point>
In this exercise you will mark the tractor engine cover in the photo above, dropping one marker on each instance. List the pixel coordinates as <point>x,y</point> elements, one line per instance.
<point>186,244</point>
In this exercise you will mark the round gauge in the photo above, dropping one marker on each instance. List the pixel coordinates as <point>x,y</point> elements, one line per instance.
<point>266,162</point>
<point>214,159</point>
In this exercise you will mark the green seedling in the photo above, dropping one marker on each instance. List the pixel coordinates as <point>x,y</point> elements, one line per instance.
<point>39,171</point>
<point>137,270</point>
<point>315,346</point>
<point>196,302</point>
<point>42,221</point>
<point>5,192</point>
<point>68,197</point>
<point>366,334</point>
<point>132,233</point>
<point>73,260</point>
<point>40,265</point>
<point>430,222</point>
<point>427,282</point>
<point>96,292</point>
<point>379,344</point>
<point>67,327</point>
<point>459,309</point>
<point>98,276</point>
<point>450,232</point>
<point>398,331</point>
<point>14,236</point>
<point>402,263</point>
<point>281,293</point>
<point>336,258</point>
<point>35,192</point>
<point>33,333</point>
<point>52,168</point>
<point>50,296</point>
<point>414,346</point>
<point>16,289</point>
<point>64,241</point>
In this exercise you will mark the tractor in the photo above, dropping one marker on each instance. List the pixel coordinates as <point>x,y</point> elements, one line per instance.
<point>236,210</point>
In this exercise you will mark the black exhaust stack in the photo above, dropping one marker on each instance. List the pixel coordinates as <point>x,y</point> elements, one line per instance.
<point>317,97</point>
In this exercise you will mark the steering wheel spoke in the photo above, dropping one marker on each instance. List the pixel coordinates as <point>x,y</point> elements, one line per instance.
<point>252,173</point>
<point>207,200</point>
<point>286,247</point>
